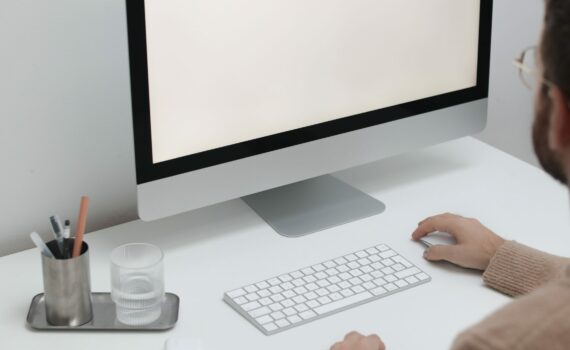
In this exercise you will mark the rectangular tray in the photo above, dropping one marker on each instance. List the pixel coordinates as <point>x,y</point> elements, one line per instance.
<point>104,317</point>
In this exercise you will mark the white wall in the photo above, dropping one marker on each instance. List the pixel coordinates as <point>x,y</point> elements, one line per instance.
<point>516,25</point>
<point>65,109</point>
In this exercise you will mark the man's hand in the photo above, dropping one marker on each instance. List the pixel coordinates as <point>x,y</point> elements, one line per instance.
<point>356,341</point>
<point>475,247</point>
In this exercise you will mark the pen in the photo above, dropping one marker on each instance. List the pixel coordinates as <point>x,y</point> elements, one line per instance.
<point>41,245</point>
<point>80,226</point>
<point>57,229</point>
<point>67,229</point>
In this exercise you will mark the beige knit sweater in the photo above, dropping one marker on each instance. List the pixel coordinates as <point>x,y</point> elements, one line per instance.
<point>539,317</point>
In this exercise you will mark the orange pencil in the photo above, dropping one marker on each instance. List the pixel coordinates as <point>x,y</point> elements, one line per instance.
<point>80,226</point>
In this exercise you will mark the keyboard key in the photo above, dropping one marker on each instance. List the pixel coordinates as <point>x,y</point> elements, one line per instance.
<point>308,271</point>
<point>347,292</point>
<point>294,319</point>
<point>236,293</point>
<point>333,288</point>
<point>390,287</point>
<point>262,285</point>
<point>335,296</point>
<point>387,262</point>
<point>342,268</point>
<point>311,295</point>
<point>287,303</point>
<point>309,279</point>
<point>422,276</point>
<point>366,277</point>
<point>356,272</point>
<point>390,278</point>
<point>313,304</point>
<point>324,300</point>
<point>285,278</point>
<point>387,254</point>
<point>334,279</point>
<point>388,270</point>
<point>407,272</point>
<point>287,285</point>
<point>301,307</point>
<point>382,247</point>
<point>412,280</point>
<point>361,254</point>
<point>311,286</point>
<point>321,275</point>
<point>379,291</point>
<point>364,261</point>
<point>274,281</point>
<point>340,261</point>
<point>240,300</point>
<point>298,282</point>
<point>270,327</point>
<point>329,264</point>
<point>357,289</point>
<point>351,257</point>
<point>300,290</point>
<point>277,297</point>
<point>251,289</point>
<point>322,292</point>
<point>372,251</point>
<point>264,293</point>
<point>402,261</point>
<point>318,267</point>
<point>355,281</point>
<point>332,272</point>
<point>353,265</point>
<point>282,323</point>
<point>376,274</point>
<point>368,285</point>
<point>265,301</point>
<point>276,289</point>
<point>307,314</point>
<point>299,299</point>
<point>401,283</point>
<point>398,267</point>
<point>277,315</point>
<point>289,311</point>
<point>289,294</point>
<point>296,274</point>
<point>252,297</point>
<point>345,276</point>
<point>344,285</point>
<point>342,303</point>
<point>366,269</point>
<point>264,319</point>
<point>323,283</point>
<point>379,281</point>
<point>260,312</point>
<point>276,307</point>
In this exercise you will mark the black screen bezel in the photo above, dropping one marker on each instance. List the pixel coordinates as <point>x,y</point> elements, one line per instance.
<point>147,171</point>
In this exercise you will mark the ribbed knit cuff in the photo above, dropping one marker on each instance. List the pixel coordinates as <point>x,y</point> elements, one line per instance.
<point>517,269</point>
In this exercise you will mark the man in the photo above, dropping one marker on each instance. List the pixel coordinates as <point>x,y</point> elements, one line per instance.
<point>540,318</point>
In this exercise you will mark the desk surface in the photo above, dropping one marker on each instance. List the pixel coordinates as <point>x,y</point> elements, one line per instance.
<point>218,248</point>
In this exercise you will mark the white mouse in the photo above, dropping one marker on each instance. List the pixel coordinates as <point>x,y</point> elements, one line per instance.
<point>176,343</point>
<point>438,238</point>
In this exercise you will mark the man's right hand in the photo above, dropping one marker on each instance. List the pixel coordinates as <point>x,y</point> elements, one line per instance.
<point>475,247</point>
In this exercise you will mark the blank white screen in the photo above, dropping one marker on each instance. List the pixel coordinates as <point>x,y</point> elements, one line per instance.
<point>227,71</point>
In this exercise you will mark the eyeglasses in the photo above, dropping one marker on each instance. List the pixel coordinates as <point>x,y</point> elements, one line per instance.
<point>528,69</point>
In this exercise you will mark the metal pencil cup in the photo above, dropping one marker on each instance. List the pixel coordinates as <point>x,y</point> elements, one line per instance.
<point>67,287</point>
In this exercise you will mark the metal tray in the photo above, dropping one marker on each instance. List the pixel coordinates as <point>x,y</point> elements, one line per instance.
<point>104,317</point>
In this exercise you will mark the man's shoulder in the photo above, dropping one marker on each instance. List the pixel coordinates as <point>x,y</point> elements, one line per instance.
<point>540,319</point>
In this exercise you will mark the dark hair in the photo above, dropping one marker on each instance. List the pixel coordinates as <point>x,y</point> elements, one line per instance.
<point>555,47</point>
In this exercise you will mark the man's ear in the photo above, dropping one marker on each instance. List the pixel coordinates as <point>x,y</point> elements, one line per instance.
<point>559,133</point>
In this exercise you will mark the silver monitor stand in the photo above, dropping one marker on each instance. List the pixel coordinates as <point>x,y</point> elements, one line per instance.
<point>312,205</point>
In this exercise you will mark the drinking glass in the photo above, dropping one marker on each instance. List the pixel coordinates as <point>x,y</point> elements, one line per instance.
<point>137,283</point>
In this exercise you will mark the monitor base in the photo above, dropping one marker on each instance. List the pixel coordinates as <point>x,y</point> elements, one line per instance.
<point>312,205</point>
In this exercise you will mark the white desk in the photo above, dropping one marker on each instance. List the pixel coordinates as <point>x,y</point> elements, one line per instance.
<point>215,249</point>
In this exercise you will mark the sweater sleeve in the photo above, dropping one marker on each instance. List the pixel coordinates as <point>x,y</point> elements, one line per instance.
<point>517,269</point>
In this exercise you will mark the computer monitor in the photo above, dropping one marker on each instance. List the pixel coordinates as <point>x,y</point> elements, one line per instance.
<point>261,99</point>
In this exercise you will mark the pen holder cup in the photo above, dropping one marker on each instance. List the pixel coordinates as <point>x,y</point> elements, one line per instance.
<point>67,287</point>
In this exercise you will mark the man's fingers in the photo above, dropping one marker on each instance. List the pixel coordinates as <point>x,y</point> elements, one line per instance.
<point>444,222</point>
<point>441,252</point>
<point>352,336</point>
<point>374,341</point>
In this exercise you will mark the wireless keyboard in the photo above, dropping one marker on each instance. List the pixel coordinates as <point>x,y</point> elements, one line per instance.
<point>291,299</point>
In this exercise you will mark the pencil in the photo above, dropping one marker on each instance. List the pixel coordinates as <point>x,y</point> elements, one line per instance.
<point>80,226</point>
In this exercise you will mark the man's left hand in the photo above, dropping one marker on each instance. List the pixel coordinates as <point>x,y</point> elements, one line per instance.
<point>356,341</point>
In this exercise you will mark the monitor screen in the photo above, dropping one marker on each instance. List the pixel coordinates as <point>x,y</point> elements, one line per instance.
<point>226,79</point>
